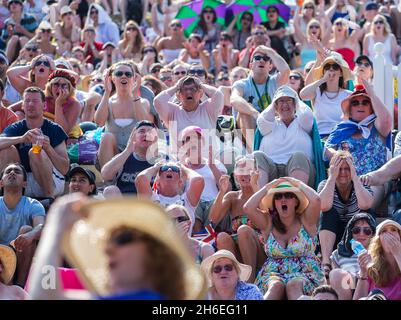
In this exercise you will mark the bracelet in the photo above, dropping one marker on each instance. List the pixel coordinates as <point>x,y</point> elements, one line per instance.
<point>361,278</point>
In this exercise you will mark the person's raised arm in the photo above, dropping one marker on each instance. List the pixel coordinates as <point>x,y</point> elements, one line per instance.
<point>222,203</point>
<point>362,286</point>
<point>163,106</point>
<point>196,184</point>
<point>102,112</point>
<point>18,77</point>
<point>391,169</point>
<point>298,34</point>
<point>281,66</point>
<point>204,55</point>
<point>330,11</point>
<point>327,193</point>
<point>144,178</point>
<point>384,120</point>
<point>363,196</point>
<point>309,92</point>
<point>265,121</point>
<point>216,100</point>
<point>231,26</point>
<point>62,215</point>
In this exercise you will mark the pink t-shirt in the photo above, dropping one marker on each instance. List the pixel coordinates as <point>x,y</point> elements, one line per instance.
<point>391,291</point>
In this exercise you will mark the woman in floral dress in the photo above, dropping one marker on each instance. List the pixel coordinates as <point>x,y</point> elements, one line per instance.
<point>287,211</point>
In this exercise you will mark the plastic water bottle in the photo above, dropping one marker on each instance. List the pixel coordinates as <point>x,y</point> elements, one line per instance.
<point>357,247</point>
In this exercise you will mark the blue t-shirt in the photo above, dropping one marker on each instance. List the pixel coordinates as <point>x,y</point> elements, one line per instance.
<point>49,128</point>
<point>251,95</point>
<point>135,295</point>
<point>12,220</point>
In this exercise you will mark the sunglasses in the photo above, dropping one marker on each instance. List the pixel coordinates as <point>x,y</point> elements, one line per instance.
<point>173,168</point>
<point>295,77</point>
<point>272,11</point>
<point>226,267</point>
<point>366,230</point>
<point>264,58</point>
<point>148,50</point>
<point>225,39</point>
<point>46,30</point>
<point>314,27</point>
<point>378,22</point>
<point>125,237</point>
<point>333,66</point>
<point>247,19</point>
<point>31,49</point>
<point>60,85</point>
<point>44,62</point>
<point>198,72</point>
<point>166,79</point>
<point>175,25</point>
<point>98,80</point>
<point>364,102</point>
<point>287,195</point>
<point>182,219</point>
<point>259,33</point>
<point>208,11</point>
<point>339,23</point>
<point>119,74</point>
<point>223,79</point>
<point>177,73</point>
<point>132,29</point>
<point>155,70</point>
<point>309,7</point>
<point>363,64</point>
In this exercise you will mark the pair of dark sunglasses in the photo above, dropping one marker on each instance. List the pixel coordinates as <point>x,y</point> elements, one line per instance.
<point>132,29</point>
<point>148,50</point>
<point>94,12</point>
<point>208,11</point>
<point>44,62</point>
<point>155,70</point>
<point>226,267</point>
<point>175,25</point>
<point>366,230</point>
<point>31,49</point>
<point>295,77</point>
<point>197,72</point>
<point>264,58</point>
<point>223,79</point>
<point>378,22</point>
<point>287,195</point>
<point>365,102</point>
<point>125,237</point>
<point>177,73</point>
<point>119,74</point>
<point>333,66</point>
<point>46,30</point>
<point>167,167</point>
<point>363,64</point>
<point>182,219</point>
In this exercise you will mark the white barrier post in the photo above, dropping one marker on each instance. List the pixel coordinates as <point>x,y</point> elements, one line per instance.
<point>398,75</point>
<point>378,69</point>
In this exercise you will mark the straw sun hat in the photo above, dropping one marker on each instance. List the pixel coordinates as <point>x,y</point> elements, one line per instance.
<point>338,59</point>
<point>84,245</point>
<point>9,262</point>
<point>207,264</point>
<point>283,187</point>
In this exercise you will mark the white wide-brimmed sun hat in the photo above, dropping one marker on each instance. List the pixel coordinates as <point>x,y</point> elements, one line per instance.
<point>84,245</point>
<point>207,264</point>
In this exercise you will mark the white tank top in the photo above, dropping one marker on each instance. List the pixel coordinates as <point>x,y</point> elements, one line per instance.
<point>386,51</point>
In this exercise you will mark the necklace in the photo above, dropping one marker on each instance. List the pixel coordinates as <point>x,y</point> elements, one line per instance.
<point>332,98</point>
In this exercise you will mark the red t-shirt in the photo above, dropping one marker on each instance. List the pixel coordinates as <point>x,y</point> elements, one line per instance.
<point>242,54</point>
<point>89,53</point>
<point>7,117</point>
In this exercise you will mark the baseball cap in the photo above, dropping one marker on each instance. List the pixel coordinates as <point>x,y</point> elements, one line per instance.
<point>88,173</point>
<point>64,10</point>
<point>145,123</point>
<point>363,57</point>
<point>371,6</point>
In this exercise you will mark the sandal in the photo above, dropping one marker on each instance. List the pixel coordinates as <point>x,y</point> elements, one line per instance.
<point>326,269</point>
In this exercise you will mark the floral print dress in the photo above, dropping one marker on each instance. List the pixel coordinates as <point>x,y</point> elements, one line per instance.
<point>297,261</point>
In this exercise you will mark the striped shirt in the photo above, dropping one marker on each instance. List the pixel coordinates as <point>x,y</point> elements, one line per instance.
<point>345,209</point>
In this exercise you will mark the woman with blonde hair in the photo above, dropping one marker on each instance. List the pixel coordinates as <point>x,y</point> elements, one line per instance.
<point>380,266</point>
<point>199,250</point>
<point>344,43</point>
<point>67,32</point>
<point>61,106</point>
<point>120,109</point>
<point>306,40</point>
<point>381,32</point>
<point>132,42</point>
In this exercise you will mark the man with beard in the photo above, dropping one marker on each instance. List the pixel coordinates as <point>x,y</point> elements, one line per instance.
<point>39,145</point>
<point>21,218</point>
<point>123,168</point>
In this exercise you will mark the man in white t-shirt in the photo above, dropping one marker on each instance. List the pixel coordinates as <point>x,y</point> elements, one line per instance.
<point>190,111</point>
<point>170,180</point>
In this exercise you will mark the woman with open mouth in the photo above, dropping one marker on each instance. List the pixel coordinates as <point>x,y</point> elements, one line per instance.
<point>34,75</point>
<point>287,212</point>
<point>120,110</point>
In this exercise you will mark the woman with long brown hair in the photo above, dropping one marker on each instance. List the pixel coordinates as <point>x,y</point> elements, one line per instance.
<point>132,42</point>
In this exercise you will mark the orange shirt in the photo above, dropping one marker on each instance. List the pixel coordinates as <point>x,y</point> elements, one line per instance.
<point>7,117</point>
